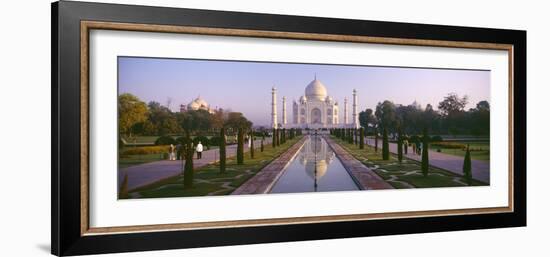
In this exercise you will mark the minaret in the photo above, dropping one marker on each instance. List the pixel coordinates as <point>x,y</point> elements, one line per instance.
<point>354,110</point>
<point>345,111</point>
<point>284,111</point>
<point>274,107</point>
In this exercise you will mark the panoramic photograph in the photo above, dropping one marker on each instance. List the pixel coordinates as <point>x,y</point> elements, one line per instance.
<point>190,127</point>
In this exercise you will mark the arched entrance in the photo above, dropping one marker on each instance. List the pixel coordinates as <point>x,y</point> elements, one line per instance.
<point>316,116</point>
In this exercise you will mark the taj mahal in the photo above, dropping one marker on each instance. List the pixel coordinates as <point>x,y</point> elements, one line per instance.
<point>315,109</point>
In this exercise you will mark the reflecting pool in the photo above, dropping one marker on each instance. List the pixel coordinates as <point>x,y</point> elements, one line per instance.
<point>315,168</point>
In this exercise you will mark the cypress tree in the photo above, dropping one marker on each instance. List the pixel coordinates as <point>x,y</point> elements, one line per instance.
<point>467,167</point>
<point>252,144</point>
<point>188,173</point>
<point>399,145</point>
<point>385,145</point>
<point>284,135</point>
<point>406,147</point>
<point>123,192</point>
<point>361,138</point>
<point>425,158</point>
<point>262,144</point>
<point>273,140</point>
<point>222,150</point>
<point>240,146</point>
<point>278,137</point>
<point>376,140</point>
<point>351,136</point>
<point>343,134</point>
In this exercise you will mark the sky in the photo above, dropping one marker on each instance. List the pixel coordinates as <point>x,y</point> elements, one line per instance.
<point>246,86</point>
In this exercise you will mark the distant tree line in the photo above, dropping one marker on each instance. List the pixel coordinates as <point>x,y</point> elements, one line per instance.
<point>154,119</point>
<point>451,118</point>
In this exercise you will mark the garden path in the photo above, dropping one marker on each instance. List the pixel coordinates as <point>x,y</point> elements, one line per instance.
<point>147,173</point>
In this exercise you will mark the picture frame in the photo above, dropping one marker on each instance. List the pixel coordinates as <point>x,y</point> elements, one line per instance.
<point>71,26</point>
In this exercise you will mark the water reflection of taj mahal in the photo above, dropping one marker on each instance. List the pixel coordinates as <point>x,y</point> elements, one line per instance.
<point>316,157</point>
<point>315,109</point>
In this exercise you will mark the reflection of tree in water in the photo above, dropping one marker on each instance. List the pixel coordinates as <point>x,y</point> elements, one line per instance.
<point>307,156</point>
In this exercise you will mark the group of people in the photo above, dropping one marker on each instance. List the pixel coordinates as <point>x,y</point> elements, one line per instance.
<point>175,152</point>
<point>416,146</point>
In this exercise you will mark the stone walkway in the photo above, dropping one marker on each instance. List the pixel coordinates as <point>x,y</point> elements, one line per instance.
<point>147,173</point>
<point>452,163</point>
<point>363,176</point>
<point>264,180</point>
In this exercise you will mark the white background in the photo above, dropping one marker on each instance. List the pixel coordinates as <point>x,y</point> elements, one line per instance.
<point>106,211</point>
<point>25,105</point>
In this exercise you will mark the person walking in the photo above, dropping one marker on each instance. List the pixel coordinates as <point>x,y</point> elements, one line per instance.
<point>172,154</point>
<point>199,150</point>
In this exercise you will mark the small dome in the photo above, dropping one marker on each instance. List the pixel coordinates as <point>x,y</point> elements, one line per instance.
<point>316,90</point>
<point>198,103</point>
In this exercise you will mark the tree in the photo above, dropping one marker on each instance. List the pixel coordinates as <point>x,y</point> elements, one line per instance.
<point>278,137</point>
<point>361,138</point>
<point>385,145</point>
<point>162,119</point>
<point>240,146</point>
<point>452,103</point>
<point>223,153</point>
<point>386,115</point>
<point>467,167</point>
<point>123,192</point>
<point>131,111</point>
<point>273,138</point>
<point>399,145</point>
<point>252,144</point>
<point>236,120</point>
<point>262,144</point>
<point>190,122</point>
<point>375,139</point>
<point>366,119</point>
<point>425,158</point>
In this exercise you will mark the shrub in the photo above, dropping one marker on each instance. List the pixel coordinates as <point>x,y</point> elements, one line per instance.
<point>139,150</point>
<point>165,140</point>
<point>449,145</point>
<point>437,139</point>
<point>215,141</point>
<point>202,139</point>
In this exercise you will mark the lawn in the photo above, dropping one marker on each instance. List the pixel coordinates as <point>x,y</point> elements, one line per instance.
<point>406,174</point>
<point>209,181</point>
<point>131,160</point>
<point>478,150</point>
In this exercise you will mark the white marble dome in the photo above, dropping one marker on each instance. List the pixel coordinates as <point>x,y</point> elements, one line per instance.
<point>316,90</point>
